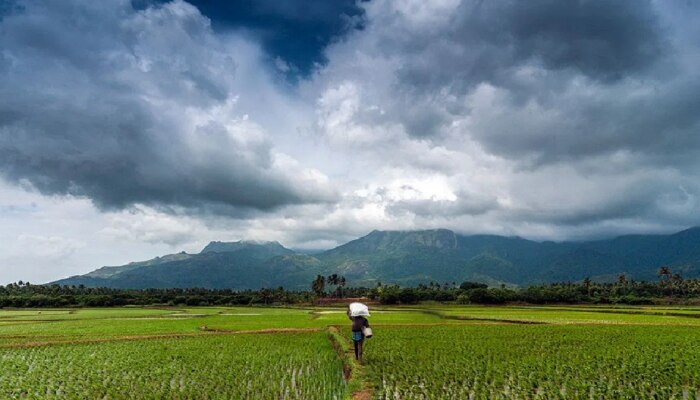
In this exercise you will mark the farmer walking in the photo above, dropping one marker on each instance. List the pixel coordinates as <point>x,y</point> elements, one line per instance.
<point>360,326</point>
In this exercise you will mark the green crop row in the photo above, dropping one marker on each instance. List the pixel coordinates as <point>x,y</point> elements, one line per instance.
<point>571,315</point>
<point>109,323</point>
<point>534,362</point>
<point>264,366</point>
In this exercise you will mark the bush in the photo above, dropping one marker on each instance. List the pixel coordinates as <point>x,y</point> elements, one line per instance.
<point>445,296</point>
<point>634,300</point>
<point>408,296</point>
<point>463,299</point>
<point>389,295</point>
<point>466,285</point>
<point>490,296</point>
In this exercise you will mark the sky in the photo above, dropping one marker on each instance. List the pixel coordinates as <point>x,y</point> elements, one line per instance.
<point>136,128</point>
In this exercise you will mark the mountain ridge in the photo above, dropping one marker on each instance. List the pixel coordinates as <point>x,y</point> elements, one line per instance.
<point>409,258</point>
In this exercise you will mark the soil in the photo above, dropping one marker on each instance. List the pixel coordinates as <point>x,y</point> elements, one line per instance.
<point>363,395</point>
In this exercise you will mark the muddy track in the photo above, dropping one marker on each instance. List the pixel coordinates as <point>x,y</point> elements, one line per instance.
<point>362,395</point>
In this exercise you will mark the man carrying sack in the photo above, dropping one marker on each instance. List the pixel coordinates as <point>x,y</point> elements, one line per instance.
<point>357,312</point>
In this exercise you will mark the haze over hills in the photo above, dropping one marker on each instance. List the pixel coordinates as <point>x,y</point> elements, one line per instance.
<point>409,258</point>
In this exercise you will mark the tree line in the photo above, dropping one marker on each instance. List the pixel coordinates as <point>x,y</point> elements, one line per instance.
<point>669,288</point>
<point>23,295</point>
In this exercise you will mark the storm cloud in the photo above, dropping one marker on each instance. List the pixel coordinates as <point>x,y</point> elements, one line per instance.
<point>588,60</point>
<point>526,103</point>
<point>129,106</point>
<point>482,41</point>
<point>312,123</point>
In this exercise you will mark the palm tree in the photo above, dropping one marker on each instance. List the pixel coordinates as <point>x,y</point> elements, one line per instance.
<point>333,280</point>
<point>665,275</point>
<point>622,279</point>
<point>319,285</point>
<point>587,285</point>
<point>676,283</point>
<point>341,285</point>
<point>665,271</point>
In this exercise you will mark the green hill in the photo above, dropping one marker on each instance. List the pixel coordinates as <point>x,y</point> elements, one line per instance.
<point>409,258</point>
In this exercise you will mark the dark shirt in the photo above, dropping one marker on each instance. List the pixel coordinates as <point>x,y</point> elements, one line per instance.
<point>358,323</point>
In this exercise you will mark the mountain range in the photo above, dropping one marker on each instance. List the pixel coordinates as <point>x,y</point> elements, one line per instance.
<point>409,258</point>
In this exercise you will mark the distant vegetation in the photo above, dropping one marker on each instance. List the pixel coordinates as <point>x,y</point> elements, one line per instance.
<point>669,288</point>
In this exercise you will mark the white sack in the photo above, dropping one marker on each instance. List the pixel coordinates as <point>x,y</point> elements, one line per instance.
<point>358,310</point>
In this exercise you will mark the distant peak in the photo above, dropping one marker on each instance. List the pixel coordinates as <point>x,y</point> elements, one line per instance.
<point>401,240</point>
<point>408,232</point>
<point>695,230</point>
<point>259,242</point>
<point>223,247</point>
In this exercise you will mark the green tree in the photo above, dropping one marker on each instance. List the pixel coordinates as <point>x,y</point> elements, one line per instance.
<point>318,286</point>
<point>334,280</point>
<point>341,285</point>
<point>587,285</point>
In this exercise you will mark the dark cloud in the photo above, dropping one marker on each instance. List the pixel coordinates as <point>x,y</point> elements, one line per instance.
<point>484,40</point>
<point>487,42</point>
<point>126,106</point>
<point>648,195</point>
<point>543,81</point>
<point>297,31</point>
<point>577,116</point>
<point>604,39</point>
<point>503,116</point>
<point>657,120</point>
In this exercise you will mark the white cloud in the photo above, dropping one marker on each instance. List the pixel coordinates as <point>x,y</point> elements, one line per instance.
<point>51,248</point>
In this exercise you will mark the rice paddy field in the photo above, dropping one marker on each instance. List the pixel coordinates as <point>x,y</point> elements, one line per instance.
<point>421,352</point>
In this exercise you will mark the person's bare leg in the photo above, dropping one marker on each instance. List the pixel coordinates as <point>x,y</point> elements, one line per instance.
<point>359,351</point>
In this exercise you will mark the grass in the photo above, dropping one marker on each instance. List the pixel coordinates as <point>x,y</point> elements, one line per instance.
<point>571,315</point>
<point>75,314</point>
<point>534,361</point>
<point>89,323</point>
<point>434,351</point>
<point>289,365</point>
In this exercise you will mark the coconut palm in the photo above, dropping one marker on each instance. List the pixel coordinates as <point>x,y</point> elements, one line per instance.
<point>587,285</point>
<point>319,285</point>
<point>665,271</point>
<point>341,285</point>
